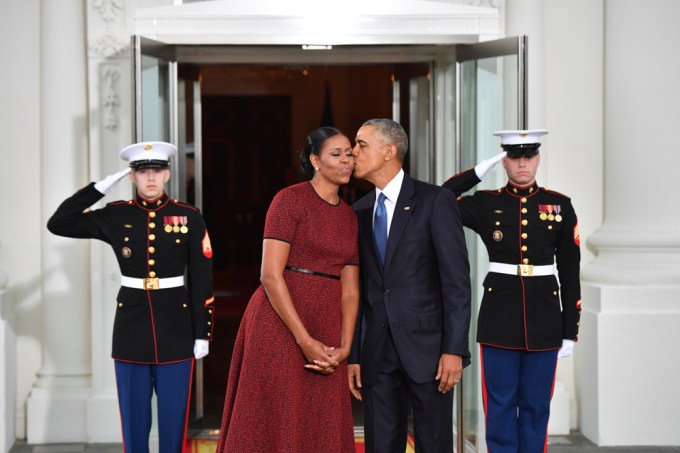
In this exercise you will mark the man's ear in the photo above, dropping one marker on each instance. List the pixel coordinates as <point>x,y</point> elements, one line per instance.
<point>166,175</point>
<point>390,153</point>
<point>131,175</point>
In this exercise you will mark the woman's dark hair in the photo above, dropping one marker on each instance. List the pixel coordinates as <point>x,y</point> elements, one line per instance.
<point>313,145</point>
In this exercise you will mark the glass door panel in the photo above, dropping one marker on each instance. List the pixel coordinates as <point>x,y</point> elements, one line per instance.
<point>168,108</point>
<point>491,96</point>
<point>156,97</point>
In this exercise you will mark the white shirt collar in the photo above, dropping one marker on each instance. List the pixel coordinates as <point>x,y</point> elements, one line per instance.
<point>392,188</point>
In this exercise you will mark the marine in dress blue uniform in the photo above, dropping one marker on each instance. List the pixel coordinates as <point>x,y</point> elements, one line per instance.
<point>164,317</point>
<point>528,315</point>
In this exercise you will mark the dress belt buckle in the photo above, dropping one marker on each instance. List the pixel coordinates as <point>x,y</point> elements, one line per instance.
<point>525,270</point>
<point>150,283</point>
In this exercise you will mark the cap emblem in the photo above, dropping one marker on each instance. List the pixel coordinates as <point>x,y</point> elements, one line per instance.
<point>147,147</point>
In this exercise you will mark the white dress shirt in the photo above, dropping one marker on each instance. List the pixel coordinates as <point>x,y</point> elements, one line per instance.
<point>391,192</point>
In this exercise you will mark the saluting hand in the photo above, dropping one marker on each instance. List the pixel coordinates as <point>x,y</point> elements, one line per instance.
<point>485,166</point>
<point>105,185</point>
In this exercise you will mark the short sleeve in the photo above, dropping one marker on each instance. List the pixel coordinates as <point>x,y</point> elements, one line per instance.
<point>283,217</point>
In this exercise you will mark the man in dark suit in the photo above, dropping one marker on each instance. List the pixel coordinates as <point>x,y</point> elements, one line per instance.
<point>411,341</point>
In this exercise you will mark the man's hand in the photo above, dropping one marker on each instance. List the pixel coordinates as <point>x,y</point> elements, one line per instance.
<point>105,185</point>
<point>201,348</point>
<point>354,371</point>
<point>566,349</point>
<point>485,166</point>
<point>449,371</point>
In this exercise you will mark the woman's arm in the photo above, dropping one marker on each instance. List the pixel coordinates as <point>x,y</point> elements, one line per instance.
<point>274,258</point>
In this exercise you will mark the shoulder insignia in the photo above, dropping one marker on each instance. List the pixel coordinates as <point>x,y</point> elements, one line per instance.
<point>555,193</point>
<point>184,205</point>
<point>490,191</point>
<point>118,202</point>
<point>207,247</point>
<point>577,236</point>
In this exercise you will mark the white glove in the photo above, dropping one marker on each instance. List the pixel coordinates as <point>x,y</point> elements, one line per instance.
<point>485,166</point>
<point>566,349</point>
<point>201,348</point>
<point>105,185</point>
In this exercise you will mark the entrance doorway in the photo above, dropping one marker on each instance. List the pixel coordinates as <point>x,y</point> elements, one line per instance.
<point>449,98</point>
<point>254,119</point>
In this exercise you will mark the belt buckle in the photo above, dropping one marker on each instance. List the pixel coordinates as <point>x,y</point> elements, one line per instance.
<point>525,270</point>
<point>151,283</point>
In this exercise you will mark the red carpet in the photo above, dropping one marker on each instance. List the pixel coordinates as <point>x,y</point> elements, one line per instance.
<point>209,445</point>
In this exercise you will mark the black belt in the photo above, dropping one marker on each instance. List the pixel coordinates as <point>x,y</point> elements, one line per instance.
<point>307,271</point>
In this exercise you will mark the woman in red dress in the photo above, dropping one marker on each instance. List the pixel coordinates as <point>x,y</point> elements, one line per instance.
<point>288,386</point>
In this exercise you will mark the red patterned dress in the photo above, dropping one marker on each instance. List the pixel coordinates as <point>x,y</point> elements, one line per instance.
<point>273,404</point>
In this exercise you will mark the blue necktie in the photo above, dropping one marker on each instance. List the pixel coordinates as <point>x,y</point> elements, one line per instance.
<point>380,228</point>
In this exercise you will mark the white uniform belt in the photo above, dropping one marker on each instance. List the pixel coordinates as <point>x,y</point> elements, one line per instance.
<point>523,270</point>
<point>152,283</point>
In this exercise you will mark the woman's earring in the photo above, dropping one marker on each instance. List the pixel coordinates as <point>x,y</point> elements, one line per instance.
<point>316,168</point>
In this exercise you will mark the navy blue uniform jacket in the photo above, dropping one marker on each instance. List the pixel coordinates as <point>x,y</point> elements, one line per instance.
<point>151,326</point>
<point>533,226</point>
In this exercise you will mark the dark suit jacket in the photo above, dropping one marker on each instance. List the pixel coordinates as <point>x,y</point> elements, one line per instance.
<point>423,293</point>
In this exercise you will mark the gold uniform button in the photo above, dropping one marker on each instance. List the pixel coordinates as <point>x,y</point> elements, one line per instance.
<point>208,333</point>
<point>152,249</point>
<point>126,239</point>
<point>184,305</point>
<point>525,261</point>
<point>152,274</point>
<point>152,225</point>
<point>210,311</point>
<point>524,200</point>
<point>209,323</point>
<point>524,235</point>
<point>152,237</point>
<point>177,241</point>
<point>152,262</point>
<point>525,222</point>
<point>554,293</point>
<point>550,227</point>
<point>498,223</point>
<point>120,304</point>
<point>524,248</point>
<point>490,289</point>
<point>152,214</point>
<point>524,210</point>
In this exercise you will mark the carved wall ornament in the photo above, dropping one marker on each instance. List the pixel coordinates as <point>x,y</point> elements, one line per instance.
<point>108,9</point>
<point>110,99</point>
<point>108,46</point>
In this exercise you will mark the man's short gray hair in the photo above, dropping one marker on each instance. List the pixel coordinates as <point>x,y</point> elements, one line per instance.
<point>391,133</point>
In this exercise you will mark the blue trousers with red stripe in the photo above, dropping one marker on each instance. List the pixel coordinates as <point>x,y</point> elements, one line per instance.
<point>136,383</point>
<point>517,386</point>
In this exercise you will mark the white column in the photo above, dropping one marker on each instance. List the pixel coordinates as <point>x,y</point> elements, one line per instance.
<point>56,406</point>
<point>8,368</point>
<point>628,374</point>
